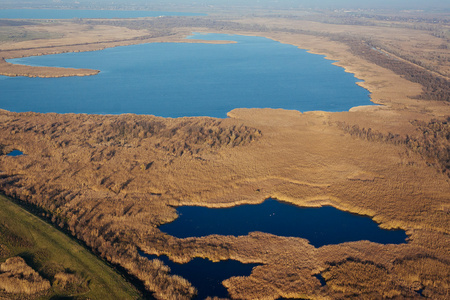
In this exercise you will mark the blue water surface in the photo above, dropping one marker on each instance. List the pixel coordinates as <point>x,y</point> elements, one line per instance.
<point>15,153</point>
<point>320,226</point>
<point>86,14</point>
<point>187,79</point>
<point>205,275</point>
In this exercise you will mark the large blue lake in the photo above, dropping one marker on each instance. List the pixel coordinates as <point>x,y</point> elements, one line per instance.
<point>187,79</point>
<point>87,14</point>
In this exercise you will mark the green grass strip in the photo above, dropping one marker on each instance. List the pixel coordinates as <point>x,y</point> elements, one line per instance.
<point>44,247</point>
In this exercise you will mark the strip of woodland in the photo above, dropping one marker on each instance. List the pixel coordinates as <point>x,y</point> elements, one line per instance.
<point>432,140</point>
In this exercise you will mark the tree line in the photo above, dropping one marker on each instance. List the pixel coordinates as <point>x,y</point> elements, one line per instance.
<point>432,141</point>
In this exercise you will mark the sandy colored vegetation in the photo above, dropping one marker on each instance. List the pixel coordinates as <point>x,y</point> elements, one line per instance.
<point>112,180</point>
<point>17,277</point>
<point>9,69</point>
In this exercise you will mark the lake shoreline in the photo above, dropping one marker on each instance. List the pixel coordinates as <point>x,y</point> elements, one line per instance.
<point>248,72</point>
<point>395,91</point>
<point>13,70</point>
<point>281,218</point>
<point>112,181</point>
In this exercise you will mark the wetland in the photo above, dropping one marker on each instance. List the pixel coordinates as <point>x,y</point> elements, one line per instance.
<point>112,181</point>
<point>205,275</point>
<point>187,79</point>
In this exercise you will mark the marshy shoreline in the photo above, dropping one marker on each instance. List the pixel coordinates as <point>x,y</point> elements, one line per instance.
<point>111,180</point>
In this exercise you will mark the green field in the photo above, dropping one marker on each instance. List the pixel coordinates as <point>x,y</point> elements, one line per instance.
<point>49,251</point>
<point>20,34</point>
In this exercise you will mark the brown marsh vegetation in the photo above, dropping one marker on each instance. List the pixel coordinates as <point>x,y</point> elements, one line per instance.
<point>17,277</point>
<point>112,180</point>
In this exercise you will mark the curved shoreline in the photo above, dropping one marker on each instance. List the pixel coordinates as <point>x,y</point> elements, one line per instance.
<point>385,95</point>
<point>341,59</point>
<point>360,68</point>
<point>15,70</point>
<point>112,185</point>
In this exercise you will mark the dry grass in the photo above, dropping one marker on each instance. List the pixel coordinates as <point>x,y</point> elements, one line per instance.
<point>111,186</point>
<point>17,277</point>
<point>111,180</point>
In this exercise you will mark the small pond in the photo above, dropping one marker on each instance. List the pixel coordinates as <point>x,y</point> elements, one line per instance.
<point>206,275</point>
<point>321,226</point>
<point>15,153</point>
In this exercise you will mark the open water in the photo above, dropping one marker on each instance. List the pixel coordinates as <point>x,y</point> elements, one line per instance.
<point>205,275</point>
<point>186,79</point>
<point>320,226</point>
<point>15,153</point>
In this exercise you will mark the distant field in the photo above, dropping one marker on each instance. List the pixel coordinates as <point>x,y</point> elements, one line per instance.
<point>18,34</point>
<point>49,252</point>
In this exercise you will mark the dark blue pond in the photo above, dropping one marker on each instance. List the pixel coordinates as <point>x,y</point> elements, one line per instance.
<point>15,153</point>
<point>206,275</point>
<point>187,79</point>
<point>321,226</point>
<point>87,14</point>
